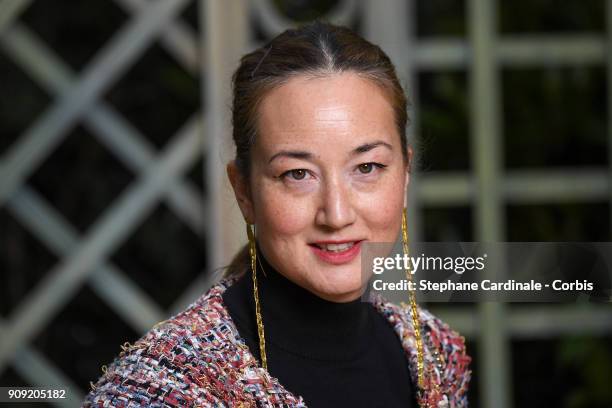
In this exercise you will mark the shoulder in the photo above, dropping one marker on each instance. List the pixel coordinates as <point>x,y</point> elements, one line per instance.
<point>446,358</point>
<point>182,361</point>
<point>440,334</point>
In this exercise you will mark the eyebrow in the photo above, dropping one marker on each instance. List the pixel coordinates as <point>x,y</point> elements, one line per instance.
<point>369,146</point>
<point>304,155</point>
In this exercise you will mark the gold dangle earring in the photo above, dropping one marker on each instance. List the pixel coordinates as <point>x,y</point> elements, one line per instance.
<point>413,305</point>
<point>260,326</point>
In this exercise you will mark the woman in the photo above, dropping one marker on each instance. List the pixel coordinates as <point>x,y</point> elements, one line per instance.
<point>322,167</point>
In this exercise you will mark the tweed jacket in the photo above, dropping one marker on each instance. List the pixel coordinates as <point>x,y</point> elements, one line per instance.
<point>198,359</point>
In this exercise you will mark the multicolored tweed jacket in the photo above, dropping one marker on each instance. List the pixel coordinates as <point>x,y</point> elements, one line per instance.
<point>198,359</point>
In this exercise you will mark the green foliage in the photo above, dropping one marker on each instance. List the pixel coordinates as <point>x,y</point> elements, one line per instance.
<point>590,358</point>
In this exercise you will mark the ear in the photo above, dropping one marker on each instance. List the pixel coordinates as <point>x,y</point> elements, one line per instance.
<point>241,191</point>
<point>408,172</point>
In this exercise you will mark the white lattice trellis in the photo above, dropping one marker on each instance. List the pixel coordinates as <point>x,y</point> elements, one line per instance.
<point>160,177</point>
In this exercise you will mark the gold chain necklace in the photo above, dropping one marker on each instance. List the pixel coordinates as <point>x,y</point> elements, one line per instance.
<point>413,306</point>
<point>260,326</point>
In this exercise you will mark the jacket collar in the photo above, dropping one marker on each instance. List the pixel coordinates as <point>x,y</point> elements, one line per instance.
<point>257,381</point>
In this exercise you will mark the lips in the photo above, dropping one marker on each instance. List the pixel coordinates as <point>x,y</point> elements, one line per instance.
<point>336,252</point>
<point>336,247</point>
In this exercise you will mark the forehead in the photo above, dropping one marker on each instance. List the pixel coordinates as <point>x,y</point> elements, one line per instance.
<point>343,108</point>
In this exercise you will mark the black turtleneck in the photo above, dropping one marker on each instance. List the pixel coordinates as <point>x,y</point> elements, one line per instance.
<point>332,354</point>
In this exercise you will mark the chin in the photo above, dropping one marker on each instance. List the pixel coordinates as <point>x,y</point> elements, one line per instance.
<point>342,287</point>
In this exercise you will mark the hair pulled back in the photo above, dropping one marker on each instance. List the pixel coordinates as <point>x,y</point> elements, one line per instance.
<point>316,49</point>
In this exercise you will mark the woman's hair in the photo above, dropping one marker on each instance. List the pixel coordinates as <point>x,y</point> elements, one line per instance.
<point>316,49</point>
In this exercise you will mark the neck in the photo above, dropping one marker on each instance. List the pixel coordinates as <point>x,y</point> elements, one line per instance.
<point>299,321</point>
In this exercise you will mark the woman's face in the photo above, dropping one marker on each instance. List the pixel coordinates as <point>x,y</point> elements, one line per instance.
<point>326,168</point>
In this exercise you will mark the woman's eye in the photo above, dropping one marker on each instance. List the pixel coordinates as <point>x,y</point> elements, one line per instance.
<point>296,174</point>
<point>366,168</point>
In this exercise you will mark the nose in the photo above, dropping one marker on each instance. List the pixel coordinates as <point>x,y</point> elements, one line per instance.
<point>336,210</point>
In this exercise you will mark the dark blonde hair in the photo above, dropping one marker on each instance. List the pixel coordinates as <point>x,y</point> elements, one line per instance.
<point>316,49</point>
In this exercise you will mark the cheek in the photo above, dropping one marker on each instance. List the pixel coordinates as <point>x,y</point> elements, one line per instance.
<point>280,214</point>
<point>384,212</point>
